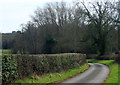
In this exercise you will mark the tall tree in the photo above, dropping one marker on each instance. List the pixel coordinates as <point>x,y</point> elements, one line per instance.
<point>100,19</point>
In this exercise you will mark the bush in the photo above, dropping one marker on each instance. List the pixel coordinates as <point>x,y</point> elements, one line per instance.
<point>49,44</point>
<point>9,68</point>
<point>28,65</point>
<point>117,58</point>
<point>103,57</point>
<point>40,64</point>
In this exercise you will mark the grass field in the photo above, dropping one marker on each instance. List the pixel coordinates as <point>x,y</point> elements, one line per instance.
<point>113,77</point>
<point>54,77</point>
<point>6,51</point>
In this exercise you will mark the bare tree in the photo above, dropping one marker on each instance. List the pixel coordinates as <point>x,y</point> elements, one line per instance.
<point>101,21</point>
<point>58,20</point>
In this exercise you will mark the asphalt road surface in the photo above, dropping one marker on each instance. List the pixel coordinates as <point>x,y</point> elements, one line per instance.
<point>95,75</point>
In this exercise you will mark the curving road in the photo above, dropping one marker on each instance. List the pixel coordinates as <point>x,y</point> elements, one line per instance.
<point>97,73</point>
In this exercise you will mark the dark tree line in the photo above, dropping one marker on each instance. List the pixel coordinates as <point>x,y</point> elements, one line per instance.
<point>7,40</point>
<point>62,28</point>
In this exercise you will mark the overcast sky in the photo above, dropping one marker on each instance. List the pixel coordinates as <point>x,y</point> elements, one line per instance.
<point>15,12</point>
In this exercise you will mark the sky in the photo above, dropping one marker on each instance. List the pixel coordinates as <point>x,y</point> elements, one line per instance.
<point>13,13</point>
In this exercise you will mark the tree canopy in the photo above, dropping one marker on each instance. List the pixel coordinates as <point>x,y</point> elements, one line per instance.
<point>60,27</point>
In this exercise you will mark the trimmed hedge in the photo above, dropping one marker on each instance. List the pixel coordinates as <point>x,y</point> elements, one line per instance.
<point>28,65</point>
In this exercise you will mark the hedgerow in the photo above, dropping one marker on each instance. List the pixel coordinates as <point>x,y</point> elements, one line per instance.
<point>21,66</point>
<point>9,68</point>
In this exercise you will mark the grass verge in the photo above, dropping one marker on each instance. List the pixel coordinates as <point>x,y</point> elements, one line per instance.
<point>54,77</point>
<point>113,77</point>
<point>6,51</point>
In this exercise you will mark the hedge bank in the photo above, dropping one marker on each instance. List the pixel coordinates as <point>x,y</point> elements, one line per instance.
<point>21,66</point>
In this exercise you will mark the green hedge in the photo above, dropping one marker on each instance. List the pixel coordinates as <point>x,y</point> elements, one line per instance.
<point>21,66</point>
<point>9,68</point>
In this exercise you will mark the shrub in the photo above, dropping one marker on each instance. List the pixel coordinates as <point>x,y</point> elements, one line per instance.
<point>117,58</point>
<point>9,68</point>
<point>49,44</point>
<point>103,57</point>
<point>40,64</point>
<point>21,66</point>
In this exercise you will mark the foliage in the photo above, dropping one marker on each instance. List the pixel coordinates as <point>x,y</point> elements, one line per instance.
<point>117,59</point>
<point>58,20</point>
<point>101,22</point>
<point>103,57</point>
<point>49,44</point>
<point>41,64</point>
<point>21,66</point>
<point>9,68</point>
<point>69,25</point>
<point>8,40</point>
<point>54,77</point>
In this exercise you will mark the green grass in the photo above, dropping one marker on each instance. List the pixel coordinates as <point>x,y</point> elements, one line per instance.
<point>113,77</point>
<point>54,77</point>
<point>6,51</point>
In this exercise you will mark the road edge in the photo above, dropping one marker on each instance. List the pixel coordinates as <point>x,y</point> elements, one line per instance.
<point>72,76</point>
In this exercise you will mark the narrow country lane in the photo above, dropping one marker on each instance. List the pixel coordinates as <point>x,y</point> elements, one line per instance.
<point>95,75</point>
